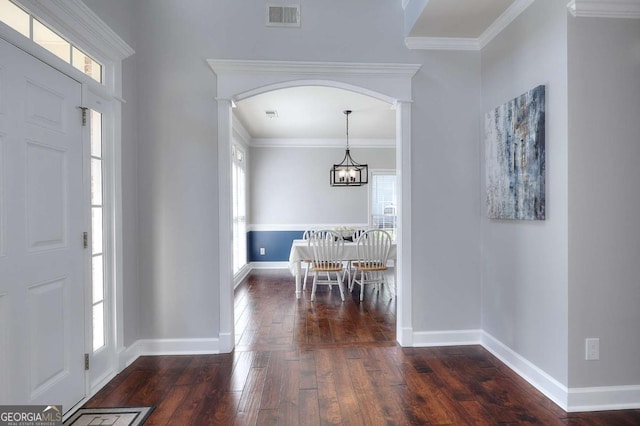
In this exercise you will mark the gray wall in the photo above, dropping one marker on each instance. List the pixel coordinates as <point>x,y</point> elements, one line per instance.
<point>604,200</point>
<point>446,204</point>
<point>177,174</point>
<point>291,186</point>
<point>525,264</point>
<point>575,271</point>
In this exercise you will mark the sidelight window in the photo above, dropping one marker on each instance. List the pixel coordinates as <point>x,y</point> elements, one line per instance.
<point>97,232</point>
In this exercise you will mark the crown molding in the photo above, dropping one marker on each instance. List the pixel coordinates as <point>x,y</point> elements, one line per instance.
<point>605,8</point>
<point>75,19</point>
<point>441,43</point>
<point>470,43</point>
<point>506,18</point>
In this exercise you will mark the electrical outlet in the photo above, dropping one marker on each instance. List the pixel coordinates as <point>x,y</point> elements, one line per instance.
<point>262,251</point>
<point>592,346</point>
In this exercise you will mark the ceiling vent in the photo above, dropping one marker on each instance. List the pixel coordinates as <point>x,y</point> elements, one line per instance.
<point>279,15</point>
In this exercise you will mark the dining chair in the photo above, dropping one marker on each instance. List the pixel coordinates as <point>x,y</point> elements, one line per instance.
<point>372,252</point>
<point>355,234</point>
<point>326,248</point>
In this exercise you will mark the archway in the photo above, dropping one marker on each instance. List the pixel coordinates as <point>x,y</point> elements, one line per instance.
<point>237,80</point>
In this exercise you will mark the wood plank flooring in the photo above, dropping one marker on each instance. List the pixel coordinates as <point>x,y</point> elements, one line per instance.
<point>332,363</point>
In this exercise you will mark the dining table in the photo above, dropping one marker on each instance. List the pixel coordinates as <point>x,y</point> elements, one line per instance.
<point>300,252</point>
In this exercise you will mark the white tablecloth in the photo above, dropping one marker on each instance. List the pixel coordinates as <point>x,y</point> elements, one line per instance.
<point>300,251</point>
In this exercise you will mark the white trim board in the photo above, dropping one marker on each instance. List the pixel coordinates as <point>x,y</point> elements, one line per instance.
<point>269,265</point>
<point>301,226</point>
<point>157,347</point>
<point>605,9</point>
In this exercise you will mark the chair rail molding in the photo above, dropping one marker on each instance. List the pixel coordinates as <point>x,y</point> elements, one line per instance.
<point>605,8</point>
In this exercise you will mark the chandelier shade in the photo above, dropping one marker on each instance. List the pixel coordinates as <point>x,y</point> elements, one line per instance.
<point>348,172</point>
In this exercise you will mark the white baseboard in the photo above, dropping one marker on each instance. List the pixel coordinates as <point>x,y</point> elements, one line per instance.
<point>168,347</point>
<point>179,346</point>
<point>447,338</point>
<point>101,382</point>
<point>405,336</point>
<point>225,343</point>
<point>269,265</point>
<point>550,387</point>
<point>569,399</point>
<point>604,398</point>
<point>127,355</point>
<point>241,275</point>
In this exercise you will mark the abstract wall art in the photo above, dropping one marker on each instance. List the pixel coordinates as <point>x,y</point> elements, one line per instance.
<point>515,157</point>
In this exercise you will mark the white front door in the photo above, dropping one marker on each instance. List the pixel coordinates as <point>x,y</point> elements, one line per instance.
<point>42,259</point>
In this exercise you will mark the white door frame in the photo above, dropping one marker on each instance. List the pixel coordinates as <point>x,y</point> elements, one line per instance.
<point>241,79</point>
<point>80,25</point>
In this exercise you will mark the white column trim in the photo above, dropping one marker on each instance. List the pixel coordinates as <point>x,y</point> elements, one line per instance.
<point>404,325</point>
<point>225,237</point>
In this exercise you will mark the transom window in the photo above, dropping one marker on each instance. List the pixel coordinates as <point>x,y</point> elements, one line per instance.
<point>30,27</point>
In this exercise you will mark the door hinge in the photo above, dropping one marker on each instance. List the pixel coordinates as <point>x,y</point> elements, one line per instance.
<point>86,361</point>
<point>85,239</point>
<point>84,116</point>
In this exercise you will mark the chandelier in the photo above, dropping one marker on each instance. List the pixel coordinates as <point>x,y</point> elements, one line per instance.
<point>348,172</point>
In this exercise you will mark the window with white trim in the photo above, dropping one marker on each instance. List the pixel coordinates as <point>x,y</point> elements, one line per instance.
<point>239,189</point>
<point>383,202</point>
<point>97,232</point>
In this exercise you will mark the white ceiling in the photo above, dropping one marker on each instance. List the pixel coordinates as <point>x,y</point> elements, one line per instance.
<point>458,18</point>
<point>312,116</point>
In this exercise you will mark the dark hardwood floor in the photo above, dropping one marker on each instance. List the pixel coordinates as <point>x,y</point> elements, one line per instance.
<point>328,362</point>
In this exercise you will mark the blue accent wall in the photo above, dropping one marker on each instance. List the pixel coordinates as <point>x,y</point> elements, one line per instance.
<point>277,245</point>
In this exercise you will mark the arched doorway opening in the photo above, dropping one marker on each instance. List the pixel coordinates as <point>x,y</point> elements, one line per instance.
<point>237,80</point>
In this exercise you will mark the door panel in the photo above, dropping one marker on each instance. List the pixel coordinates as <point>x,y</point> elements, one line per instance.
<point>42,260</point>
<point>46,188</point>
